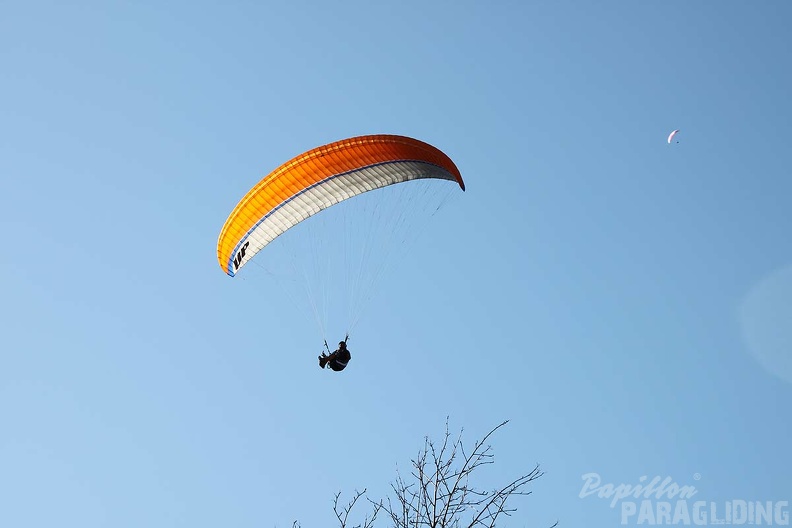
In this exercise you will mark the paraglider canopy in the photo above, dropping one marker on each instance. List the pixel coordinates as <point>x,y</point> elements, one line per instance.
<point>672,135</point>
<point>320,178</point>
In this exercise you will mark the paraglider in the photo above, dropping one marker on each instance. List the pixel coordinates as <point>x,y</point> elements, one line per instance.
<point>322,178</point>
<point>338,359</point>
<point>672,135</point>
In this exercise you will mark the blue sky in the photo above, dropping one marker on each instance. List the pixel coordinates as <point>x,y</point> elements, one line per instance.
<point>624,302</point>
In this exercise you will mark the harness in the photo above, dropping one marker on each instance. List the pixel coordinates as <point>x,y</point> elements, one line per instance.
<point>339,362</point>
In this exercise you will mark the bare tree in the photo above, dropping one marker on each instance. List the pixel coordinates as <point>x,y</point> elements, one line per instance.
<point>342,514</point>
<point>439,494</point>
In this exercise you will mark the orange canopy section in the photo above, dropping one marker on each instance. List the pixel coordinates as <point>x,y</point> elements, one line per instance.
<point>320,178</point>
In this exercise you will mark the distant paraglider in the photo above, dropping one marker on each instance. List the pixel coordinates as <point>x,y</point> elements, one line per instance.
<point>672,135</point>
